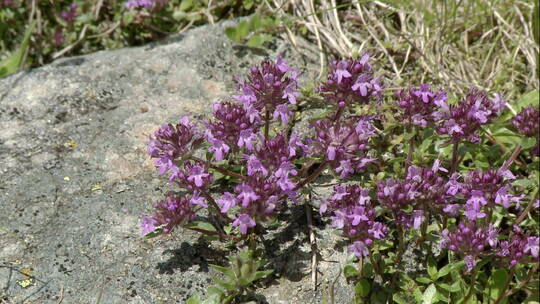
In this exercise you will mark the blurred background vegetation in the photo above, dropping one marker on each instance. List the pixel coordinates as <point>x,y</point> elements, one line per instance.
<point>454,44</point>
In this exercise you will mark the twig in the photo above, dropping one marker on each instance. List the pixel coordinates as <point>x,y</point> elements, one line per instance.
<point>73,45</point>
<point>313,242</point>
<point>61,295</point>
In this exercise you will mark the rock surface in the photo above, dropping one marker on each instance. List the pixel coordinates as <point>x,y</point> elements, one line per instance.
<point>75,179</point>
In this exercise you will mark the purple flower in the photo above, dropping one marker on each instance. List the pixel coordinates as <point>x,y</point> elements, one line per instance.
<point>246,194</point>
<point>359,249</point>
<point>353,213</point>
<point>519,248</point>
<point>197,174</point>
<point>470,240</point>
<point>234,126</point>
<point>269,86</point>
<point>527,124</point>
<point>463,120</point>
<point>171,143</point>
<point>198,200</point>
<point>245,222</point>
<point>283,113</point>
<point>532,247</point>
<point>218,147</point>
<point>340,71</point>
<point>420,105</point>
<point>350,82</point>
<point>148,224</point>
<point>254,165</point>
<point>227,202</point>
<point>147,4</point>
<point>173,211</point>
<point>344,144</point>
<point>70,15</point>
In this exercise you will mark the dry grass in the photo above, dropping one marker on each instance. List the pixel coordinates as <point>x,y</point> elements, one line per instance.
<point>454,44</point>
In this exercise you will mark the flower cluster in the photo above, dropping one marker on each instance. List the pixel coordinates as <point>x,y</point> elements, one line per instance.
<point>518,248</point>
<point>527,123</point>
<point>269,179</point>
<point>172,143</point>
<point>354,214</point>
<point>422,189</point>
<point>420,105</point>
<point>470,240</point>
<point>350,82</point>
<point>483,189</point>
<point>463,120</point>
<point>269,89</point>
<point>70,15</point>
<point>234,127</point>
<point>147,4</point>
<point>344,143</point>
<point>172,212</point>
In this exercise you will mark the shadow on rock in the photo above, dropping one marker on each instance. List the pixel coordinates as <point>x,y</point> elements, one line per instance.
<point>200,253</point>
<point>284,248</point>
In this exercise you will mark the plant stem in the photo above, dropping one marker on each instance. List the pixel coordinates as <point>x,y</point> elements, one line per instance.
<point>218,168</point>
<point>455,152</point>
<point>471,289</point>
<point>313,241</point>
<point>208,232</point>
<point>399,255</point>
<point>523,214</point>
<point>215,205</point>
<point>266,123</point>
<point>360,267</point>
<point>512,158</point>
<point>313,176</point>
<point>410,153</point>
<point>531,273</point>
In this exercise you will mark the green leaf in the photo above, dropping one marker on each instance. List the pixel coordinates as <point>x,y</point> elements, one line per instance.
<point>262,274</point>
<point>362,288</point>
<point>244,282</point>
<point>403,298</point>
<point>449,267</point>
<point>258,40</point>
<point>214,290</point>
<point>531,98</point>
<point>230,32</point>
<point>186,5</point>
<point>11,64</point>
<point>424,280</point>
<point>350,271</point>
<point>201,225</point>
<point>432,268</point>
<point>528,142</point>
<point>255,22</point>
<point>242,30</point>
<point>225,270</point>
<point>228,229</point>
<point>85,18</point>
<point>153,234</point>
<point>496,283</point>
<point>429,295</point>
<point>227,285</point>
<point>194,299</point>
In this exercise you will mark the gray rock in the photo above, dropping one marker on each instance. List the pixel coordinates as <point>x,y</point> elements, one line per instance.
<point>75,179</point>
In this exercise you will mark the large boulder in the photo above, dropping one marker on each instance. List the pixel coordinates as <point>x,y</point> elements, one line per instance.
<point>75,179</point>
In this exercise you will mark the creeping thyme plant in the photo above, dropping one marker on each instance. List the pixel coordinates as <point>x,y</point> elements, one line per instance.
<point>417,173</point>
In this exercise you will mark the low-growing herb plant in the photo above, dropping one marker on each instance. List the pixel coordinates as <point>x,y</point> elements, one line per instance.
<point>433,206</point>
